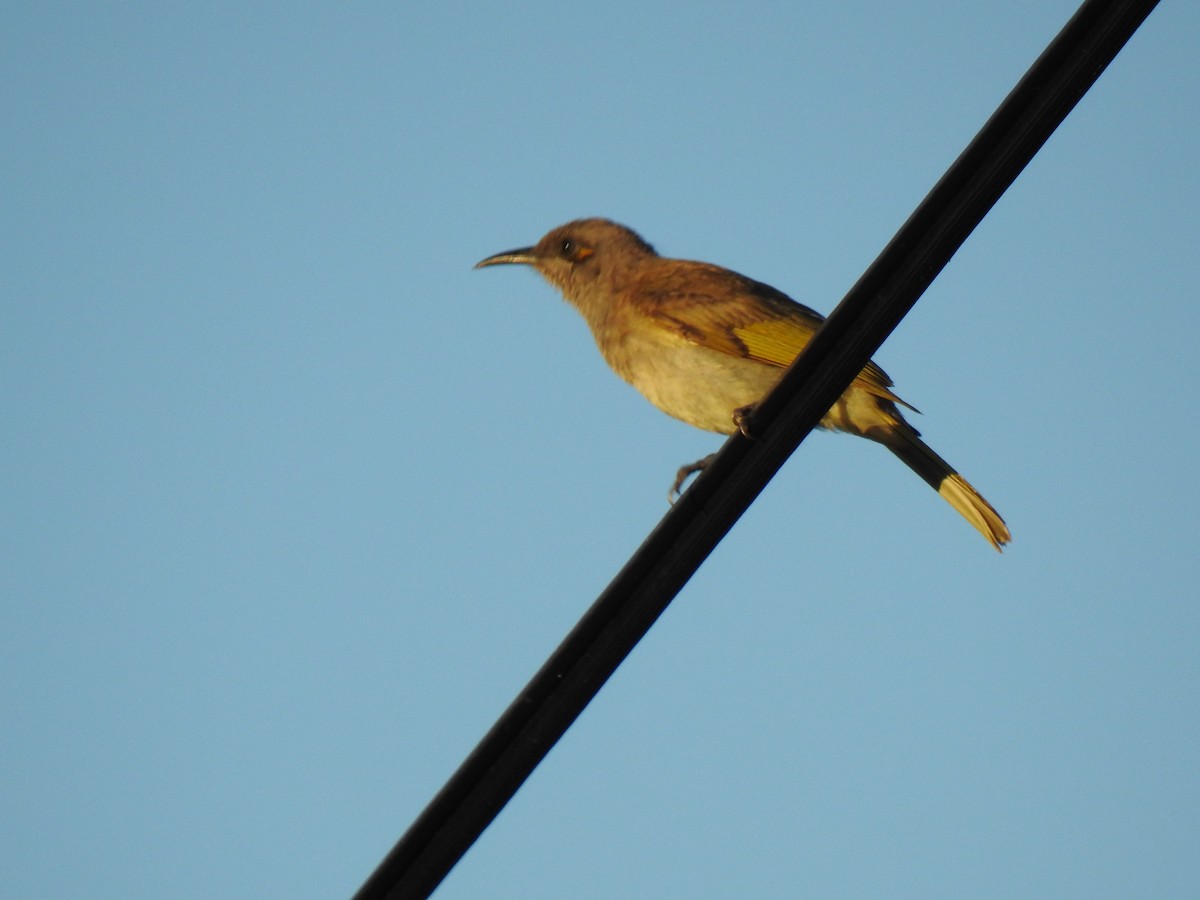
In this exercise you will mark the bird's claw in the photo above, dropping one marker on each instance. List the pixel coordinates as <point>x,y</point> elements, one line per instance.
<point>741,418</point>
<point>683,474</point>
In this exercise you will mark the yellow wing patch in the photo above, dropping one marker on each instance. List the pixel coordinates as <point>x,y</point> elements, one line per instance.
<point>740,317</point>
<point>773,341</point>
<point>779,341</point>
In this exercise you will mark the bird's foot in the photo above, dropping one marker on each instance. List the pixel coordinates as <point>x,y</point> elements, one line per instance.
<point>684,473</point>
<point>741,418</point>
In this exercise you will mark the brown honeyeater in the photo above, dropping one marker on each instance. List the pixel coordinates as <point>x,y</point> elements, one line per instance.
<point>704,344</point>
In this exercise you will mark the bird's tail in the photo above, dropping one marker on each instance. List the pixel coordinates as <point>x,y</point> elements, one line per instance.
<point>903,440</point>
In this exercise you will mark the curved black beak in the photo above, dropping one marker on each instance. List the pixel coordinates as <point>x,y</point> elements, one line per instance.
<point>524,256</point>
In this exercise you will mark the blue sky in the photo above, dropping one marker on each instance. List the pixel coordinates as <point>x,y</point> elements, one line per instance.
<point>295,501</point>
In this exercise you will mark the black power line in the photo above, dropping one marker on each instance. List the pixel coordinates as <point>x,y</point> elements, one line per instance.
<point>627,608</point>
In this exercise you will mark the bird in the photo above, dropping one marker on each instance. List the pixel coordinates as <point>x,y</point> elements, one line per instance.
<point>705,344</point>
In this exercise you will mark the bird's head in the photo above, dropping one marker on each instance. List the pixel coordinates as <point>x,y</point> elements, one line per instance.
<point>586,259</point>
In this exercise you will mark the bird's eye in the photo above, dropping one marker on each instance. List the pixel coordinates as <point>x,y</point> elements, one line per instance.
<point>572,251</point>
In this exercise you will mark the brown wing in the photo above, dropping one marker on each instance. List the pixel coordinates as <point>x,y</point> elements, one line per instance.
<point>732,314</point>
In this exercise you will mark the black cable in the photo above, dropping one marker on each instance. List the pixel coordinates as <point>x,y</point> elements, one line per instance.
<point>627,608</point>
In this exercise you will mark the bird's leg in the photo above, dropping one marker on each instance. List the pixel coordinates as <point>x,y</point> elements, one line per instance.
<point>741,418</point>
<point>682,475</point>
